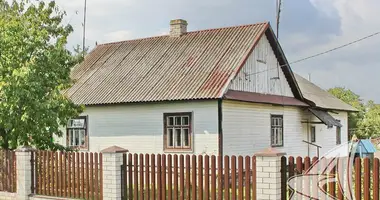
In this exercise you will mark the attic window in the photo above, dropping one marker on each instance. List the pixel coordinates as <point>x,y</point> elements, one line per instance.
<point>177,131</point>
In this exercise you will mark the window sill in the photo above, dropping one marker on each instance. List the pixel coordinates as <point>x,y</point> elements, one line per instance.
<point>277,146</point>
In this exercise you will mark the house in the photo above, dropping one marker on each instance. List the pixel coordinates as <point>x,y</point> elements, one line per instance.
<point>225,91</point>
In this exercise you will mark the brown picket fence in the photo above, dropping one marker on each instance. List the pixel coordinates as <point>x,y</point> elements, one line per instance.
<point>365,178</point>
<point>8,171</point>
<point>70,175</point>
<point>188,177</point>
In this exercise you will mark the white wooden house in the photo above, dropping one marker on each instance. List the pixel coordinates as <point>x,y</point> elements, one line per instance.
<point>226,91</point>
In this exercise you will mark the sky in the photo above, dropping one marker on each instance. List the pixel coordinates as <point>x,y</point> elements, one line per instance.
<point>307,27</point>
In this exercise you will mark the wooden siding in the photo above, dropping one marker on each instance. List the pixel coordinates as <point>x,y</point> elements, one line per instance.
<point>260,71</point>
<point>326,137</point>
<point>246,129</point>
<point>139,127</point>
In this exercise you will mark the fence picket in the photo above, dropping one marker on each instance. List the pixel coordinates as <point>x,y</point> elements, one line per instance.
<point>283,178</point>
<point>220,177</point>
<point>181,178</point>
<point>188,191</point>
<point>299,168</point>
<point>200,177</point>
<point>101,175</point>
<point>56,172</point>
<point>175,177</point>
<point>73,174</point>
<point>78,185</point>
<point>307,165</point>
<point>141,175</point>
<point>207,177</point>
<point>130,181</point>
<point>159,185</point>
<point>358,190</point>
<point>163,176</point>
<point>254,185</point>
<point>83,195</point>
<point>91,186</point>
<point>213,177</point>
<point>226,178</point>
<point>96,177</point>
<point>153,175</point>
<point>135,177</point>
<point>240,178</point>
<point>248,178</point>
<point>87,181</point>
<point>233,178</point>
<point>332,184</point>
<point>170,177</point>
<point>314,184</point>
<point>194,177</point>
<point>375,179</point>
<point>291,173</point>
<point>147,180</point>
<point>367,179</point>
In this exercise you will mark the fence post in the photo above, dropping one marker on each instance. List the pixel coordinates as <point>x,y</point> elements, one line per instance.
<point>112,162</point>
<point>268,174</point>
<point>24,172</point>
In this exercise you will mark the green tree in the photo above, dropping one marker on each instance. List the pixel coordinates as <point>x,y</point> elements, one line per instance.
<point>370,125</point>
<point>34,70</point>
<point>352,99</point>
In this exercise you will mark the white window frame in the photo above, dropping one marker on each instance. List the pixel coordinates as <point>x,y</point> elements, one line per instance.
<point>277,130</point>
<point>77,128</point>
<point>177,124</point>
<point>313,136</point>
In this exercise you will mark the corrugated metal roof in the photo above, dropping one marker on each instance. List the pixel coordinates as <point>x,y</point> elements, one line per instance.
<point>194,66</point>
<point>320,97</point>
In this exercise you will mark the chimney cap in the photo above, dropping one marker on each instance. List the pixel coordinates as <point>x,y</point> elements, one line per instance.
<point>178,21</point>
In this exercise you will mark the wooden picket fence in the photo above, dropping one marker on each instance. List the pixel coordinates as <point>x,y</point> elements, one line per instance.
<point>8,171</point>
<point>365,178</point>
<point>182,177</point>
<point>70,175</point>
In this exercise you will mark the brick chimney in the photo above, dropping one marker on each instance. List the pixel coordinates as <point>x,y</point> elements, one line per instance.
<point>178,27</point>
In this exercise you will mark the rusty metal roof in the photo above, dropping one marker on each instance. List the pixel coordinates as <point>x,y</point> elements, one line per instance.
<point>263,98</point>
<point>197,65</point>
<point>321,98</point>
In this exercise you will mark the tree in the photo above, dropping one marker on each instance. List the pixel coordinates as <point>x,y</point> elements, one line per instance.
<point>34,70</point>
<point>370,125</point>
<point>352,99</point>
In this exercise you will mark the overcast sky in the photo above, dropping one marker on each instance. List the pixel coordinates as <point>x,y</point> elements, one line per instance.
<point>307,27</point>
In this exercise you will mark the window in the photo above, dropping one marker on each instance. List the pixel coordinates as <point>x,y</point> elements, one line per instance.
<point>177,131</point>
<point>77,133</point>
<point>338,135</point>
<point>312,134</point>
<point>277,135</point>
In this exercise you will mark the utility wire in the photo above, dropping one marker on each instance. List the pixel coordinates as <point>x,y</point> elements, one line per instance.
<point>319,54</point>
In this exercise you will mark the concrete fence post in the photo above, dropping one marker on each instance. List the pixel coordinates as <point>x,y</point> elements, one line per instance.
<point>268,174</point>
<point>112,162</point>
<point>24,172</point>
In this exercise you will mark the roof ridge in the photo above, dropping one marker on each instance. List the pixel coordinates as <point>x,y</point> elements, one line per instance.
<point>190,32</point>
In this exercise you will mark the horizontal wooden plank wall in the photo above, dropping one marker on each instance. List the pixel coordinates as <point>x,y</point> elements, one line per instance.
<point>188,177</point>
<point>8,171</point>
<point>68,174</point>
<point>365,178</point>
